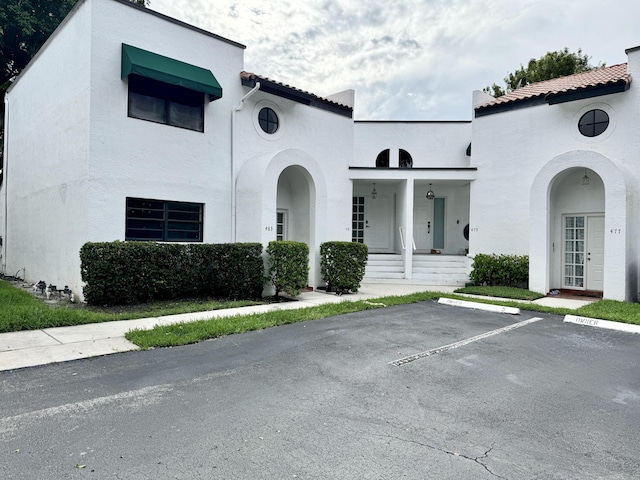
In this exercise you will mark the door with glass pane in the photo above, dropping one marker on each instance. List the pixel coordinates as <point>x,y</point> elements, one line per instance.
<point>281,225</point>
<point>583,256</point>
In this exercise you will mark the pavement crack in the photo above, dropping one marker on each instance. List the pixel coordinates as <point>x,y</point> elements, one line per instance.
<point>477,459</point>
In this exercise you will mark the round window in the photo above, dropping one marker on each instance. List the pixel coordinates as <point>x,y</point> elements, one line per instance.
<point>593,123</point>
<point>268,120</point>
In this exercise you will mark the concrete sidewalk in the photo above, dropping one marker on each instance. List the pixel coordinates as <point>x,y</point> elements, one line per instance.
<point>61,344</point>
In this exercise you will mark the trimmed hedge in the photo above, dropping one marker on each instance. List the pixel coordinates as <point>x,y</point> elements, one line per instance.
<point>500,270</point>
<point>342,265</point>
<point>122,273</point>
<point>288,266</point>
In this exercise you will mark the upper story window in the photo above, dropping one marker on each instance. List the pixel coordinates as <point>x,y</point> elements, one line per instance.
<point>382,161</point>
<point>404,159</point>
<point>593,123</point>
<point>268,120</point>
<point>161,102</point>
<point>163,221</point>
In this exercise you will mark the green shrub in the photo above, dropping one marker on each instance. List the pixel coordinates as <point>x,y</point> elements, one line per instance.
<point>288,266</point>
<point>342,265</point>
<point>502,270</point>
<point>121,273</point>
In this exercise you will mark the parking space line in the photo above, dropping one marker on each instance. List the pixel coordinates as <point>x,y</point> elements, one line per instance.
<point>461,343</point>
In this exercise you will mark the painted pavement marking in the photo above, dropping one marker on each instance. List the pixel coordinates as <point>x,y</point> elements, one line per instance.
<point>461,343</point>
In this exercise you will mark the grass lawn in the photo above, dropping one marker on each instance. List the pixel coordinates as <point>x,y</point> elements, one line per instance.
<point>19,310</point>
<point>502,292</point>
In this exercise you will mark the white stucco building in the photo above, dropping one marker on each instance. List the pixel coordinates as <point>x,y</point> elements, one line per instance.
<point>129,125</point>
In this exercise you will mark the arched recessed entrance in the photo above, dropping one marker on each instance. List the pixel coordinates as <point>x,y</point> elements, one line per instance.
<point>577,218</point>
<point>293,205</point>
<point>294,212</point>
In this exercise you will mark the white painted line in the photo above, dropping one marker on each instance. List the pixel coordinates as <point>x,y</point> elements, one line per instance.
<point>461,343</point>
<point>480,306</point>
<point>596,322</point>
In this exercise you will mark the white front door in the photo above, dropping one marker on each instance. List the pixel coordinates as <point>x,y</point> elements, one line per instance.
<point>423,223</point>
<point>595,253</point>
<point>379,224</point>
<point>583,256</point>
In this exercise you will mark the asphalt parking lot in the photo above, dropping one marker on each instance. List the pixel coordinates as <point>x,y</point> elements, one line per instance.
<point>324,399</point>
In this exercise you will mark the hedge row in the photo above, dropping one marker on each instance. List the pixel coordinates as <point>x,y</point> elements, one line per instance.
<point>123,273</point>
<point>502,270</point>
<point>120,273</point>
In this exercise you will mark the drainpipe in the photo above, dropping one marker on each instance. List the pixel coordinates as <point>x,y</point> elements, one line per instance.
<point>233,168</point>
<point>3,247</point>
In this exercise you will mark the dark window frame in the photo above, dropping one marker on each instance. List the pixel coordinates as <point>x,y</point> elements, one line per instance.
<point>169,95</point>
<point>268,120</point>
<point>593,123</point>
<point>404,159</point>
<point>154,220</point>
<point>382,160</point>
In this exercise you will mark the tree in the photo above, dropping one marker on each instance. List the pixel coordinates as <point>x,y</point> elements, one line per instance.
<point>24,27</point>
<point>550,65</point>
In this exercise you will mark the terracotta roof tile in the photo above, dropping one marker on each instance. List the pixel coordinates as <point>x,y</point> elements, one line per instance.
<point>579,81</point>
<point>248,76</point>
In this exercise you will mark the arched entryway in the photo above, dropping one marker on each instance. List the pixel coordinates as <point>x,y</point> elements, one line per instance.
<point>577,208</point>
<point>563,205</point>
<point>293,205</point>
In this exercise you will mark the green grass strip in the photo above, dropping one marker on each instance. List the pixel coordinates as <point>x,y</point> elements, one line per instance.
<point>193,332</point>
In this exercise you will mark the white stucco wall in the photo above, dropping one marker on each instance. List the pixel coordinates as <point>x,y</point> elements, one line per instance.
<point>318,144</point>
<point>430,144</point>
<point>137,158</point>
<point>524,154</point>
<point>47,137</point>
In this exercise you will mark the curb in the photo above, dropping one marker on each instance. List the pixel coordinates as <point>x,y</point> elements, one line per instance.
<point>596,322</point>
<point>480,306</point>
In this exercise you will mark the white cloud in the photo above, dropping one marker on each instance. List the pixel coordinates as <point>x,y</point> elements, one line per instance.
<point>409,59</point>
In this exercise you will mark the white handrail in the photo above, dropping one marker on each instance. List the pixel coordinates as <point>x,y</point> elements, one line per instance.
<point>404,246</point>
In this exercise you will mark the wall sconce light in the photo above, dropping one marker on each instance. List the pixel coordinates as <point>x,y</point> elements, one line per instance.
<point>374,192</point>
<point>430,194</point>
<point>585,179</point>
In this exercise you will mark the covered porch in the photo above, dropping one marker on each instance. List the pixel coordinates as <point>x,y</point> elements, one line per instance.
<point>417,229</point>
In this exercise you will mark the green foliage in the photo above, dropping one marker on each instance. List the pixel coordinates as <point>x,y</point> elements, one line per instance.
<point>122,273</point>
<point>288,266</point>
<point>550,65</point>
<point>342,265</point>
<point>501,292</point>
<point>503,270</point>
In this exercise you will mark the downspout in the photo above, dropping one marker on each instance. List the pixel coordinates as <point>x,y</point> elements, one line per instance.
<point>233,168</point>
<point>5,184</point>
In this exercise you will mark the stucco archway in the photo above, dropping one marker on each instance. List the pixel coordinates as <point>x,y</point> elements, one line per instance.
<point>548,202</point>
<point>292,182</point>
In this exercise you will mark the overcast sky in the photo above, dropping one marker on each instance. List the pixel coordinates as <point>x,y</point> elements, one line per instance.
<point>409,59</point>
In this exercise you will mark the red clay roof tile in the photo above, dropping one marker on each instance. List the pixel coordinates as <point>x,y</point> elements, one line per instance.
<point>593,78</point>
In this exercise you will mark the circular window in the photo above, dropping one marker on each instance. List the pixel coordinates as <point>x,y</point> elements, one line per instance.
<point>465,232</point>
<point>593,123</point>
<point>268,120</point>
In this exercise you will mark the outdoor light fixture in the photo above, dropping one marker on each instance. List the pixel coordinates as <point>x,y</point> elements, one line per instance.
<point>374,192</point>
<point>585,179</point>
<point>430,194</point>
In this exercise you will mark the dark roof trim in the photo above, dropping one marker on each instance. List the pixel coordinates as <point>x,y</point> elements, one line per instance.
<point>589,92</point>
<point>507,107</point>
<point>175,21</point>
<point>285,91</point>
<point>412,121</point>
<point>442,169</point>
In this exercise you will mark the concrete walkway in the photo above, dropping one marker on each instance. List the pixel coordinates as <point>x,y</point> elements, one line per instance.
<point>61,344</point>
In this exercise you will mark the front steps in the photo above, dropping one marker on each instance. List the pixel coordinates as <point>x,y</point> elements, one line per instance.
<point>427,269</point>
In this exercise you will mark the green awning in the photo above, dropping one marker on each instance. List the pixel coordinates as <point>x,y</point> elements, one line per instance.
<point>167,70</point>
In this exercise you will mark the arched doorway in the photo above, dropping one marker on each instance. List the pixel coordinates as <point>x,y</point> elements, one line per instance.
<point>294,213</point>
<point>577,219</point>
